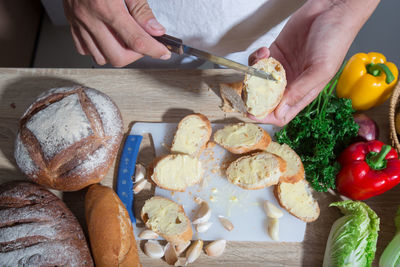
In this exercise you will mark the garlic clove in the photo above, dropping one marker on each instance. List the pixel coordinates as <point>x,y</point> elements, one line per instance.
<point>181,247</point>
<point>153,249</point>
<point>140,172</point>
<point>216,248</point>
<point>140,186</point>
<point>273,228</point>
<point>148,234</point>
<point>272,211</point>
<point>203,214</point>
<point>194,251</point>
<point>171,257</point>
<point>203,227</point>
<point>225,223</point>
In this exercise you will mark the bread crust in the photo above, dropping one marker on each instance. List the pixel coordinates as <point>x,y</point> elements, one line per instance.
<point>209,130</point>
<point>183,237</point>
<point>110,229</point>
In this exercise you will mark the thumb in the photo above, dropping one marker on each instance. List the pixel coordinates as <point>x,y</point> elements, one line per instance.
<point>142,13</point>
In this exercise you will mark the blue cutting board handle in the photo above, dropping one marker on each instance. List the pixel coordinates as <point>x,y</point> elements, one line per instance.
<point>126,169</point>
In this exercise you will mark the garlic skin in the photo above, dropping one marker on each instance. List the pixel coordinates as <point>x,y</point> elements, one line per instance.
<point>171,257</point>
<point>272,211</point>
<point>203,227</point>
<point>194,251</point>
<point>226,223</point>
<point>203,214</point>
<point>140,172</point>
<point>181,247</point>
<point>216,248</point>
<point>140,186</point>
<point>273,228</point>
<point>153,249</point>
<point>148,234</point>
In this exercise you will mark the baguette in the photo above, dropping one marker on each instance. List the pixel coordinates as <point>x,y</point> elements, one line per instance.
<point>192,135</point>
<point>298,200</point>
<point>241,138</point>
<point>261,96</point>
<point>256,171</point>
<point>168,219</point>
<point>295,170</point>
<point>110,229</point>
<point>175,172</point>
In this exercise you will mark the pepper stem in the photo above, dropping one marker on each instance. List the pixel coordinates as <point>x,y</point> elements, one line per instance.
<point>377,69</point>
<point>377,161</point>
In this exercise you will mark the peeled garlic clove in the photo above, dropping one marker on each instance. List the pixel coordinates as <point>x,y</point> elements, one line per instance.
<point>153,249</point>
<point>225,223</point>
<point>272,210</point>
<point>273,228</point>
<point>194,251</point>
<point>215,248</point>
<point>148,234</point>
<point>181,247</point>
<point>140,172</point>
<point>139,186</point>
<point>171,257</point>
<point>203,214</point>
<point>202,227</point>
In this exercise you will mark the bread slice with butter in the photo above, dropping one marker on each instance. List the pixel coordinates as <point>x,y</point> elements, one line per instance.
<point>261,96</point>
<point>168,219</point>
<point>192,135</point>
<point>241,138</point>
<point>175,172</point>
<point>295,170</point>
<point>298,200</point>
<point>256,171</point>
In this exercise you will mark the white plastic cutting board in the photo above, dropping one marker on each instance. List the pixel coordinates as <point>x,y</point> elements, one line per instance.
<point>244,208</point>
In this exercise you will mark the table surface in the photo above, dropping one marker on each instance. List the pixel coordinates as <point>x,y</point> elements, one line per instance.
<point>167,96</point>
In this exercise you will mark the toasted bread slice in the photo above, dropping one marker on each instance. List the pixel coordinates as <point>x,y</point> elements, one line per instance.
<point>175,172</point>
<point>297,199</point>
<point>168,219</point>
<point>256,171</point>
<point>231,94</point>
<point>192,135</point>
<point>261,96</point>
<point>295,170</point>
<point>241,138</point>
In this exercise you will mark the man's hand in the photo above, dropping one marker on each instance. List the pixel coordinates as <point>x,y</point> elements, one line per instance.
<point>311,47</point>
<point>115,31</point>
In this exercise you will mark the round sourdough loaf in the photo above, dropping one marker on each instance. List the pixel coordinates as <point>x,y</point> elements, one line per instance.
<point>68,138</point>
<point>37,229</point>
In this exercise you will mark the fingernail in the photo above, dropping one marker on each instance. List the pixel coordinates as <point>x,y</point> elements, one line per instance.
<point>165,56</point>
<point>283,110</point>
<point>153,23</point>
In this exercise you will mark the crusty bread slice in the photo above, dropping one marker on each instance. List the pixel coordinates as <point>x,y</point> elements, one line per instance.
<point>168,219</point>
<point>294,170</point>
<point>231,94</point>
<point>175,172</point>
<point>242,137</point>
<point>192,135</point>
<point>298,200</point>
<point>256,171</point>
<point>261,96</point>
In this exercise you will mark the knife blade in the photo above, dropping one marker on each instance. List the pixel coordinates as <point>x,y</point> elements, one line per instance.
<point>176,45</point>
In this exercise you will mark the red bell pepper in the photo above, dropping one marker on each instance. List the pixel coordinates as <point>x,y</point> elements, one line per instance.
<point>368,169</point>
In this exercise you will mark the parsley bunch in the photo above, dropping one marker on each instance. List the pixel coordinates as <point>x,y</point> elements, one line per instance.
<point>319,133</point>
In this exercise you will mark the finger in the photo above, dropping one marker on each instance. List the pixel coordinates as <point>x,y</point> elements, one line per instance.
<point>143,14</point>
<point>92,47</point>
<point>79,44</point>
<point>260,53</point>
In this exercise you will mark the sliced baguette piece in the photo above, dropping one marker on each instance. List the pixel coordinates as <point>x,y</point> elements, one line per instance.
<point>175,172</point>
<point>242,137</point>
<point>295,170</point>
<point>231,94</point>
<point>192,135</point>
<point>256,171</point>
<point>168,219</point>
<point>261,96</point>
<point>298,200</point>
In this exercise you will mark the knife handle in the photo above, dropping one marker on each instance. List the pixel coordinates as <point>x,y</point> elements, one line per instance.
<point>172,43</point>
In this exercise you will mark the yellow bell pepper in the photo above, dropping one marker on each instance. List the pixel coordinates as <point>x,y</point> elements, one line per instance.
<point>367,79</point>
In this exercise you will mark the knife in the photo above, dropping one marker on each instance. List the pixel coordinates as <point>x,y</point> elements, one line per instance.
<point>176,45</point>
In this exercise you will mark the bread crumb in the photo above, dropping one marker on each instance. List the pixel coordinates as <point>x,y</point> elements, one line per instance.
<point>214,190</point>
<point>213,199</point>
<point>210,145</point>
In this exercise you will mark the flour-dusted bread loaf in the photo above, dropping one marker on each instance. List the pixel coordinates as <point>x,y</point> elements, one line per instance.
<point>298,200</point>
<point>37,229</point>
<point>68,138</point>
<point>168,219</point>
<point>231,94</point>
<point>294,167</point>
<point>261,96</point>
<point>256,171</point>
<point>110,229</point>
<point>175,172</point>
<point>242,137</point>
<point>192,135</point>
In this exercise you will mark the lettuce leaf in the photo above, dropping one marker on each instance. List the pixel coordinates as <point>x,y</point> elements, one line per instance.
<point>352,239</point>
<point>391,255</point>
